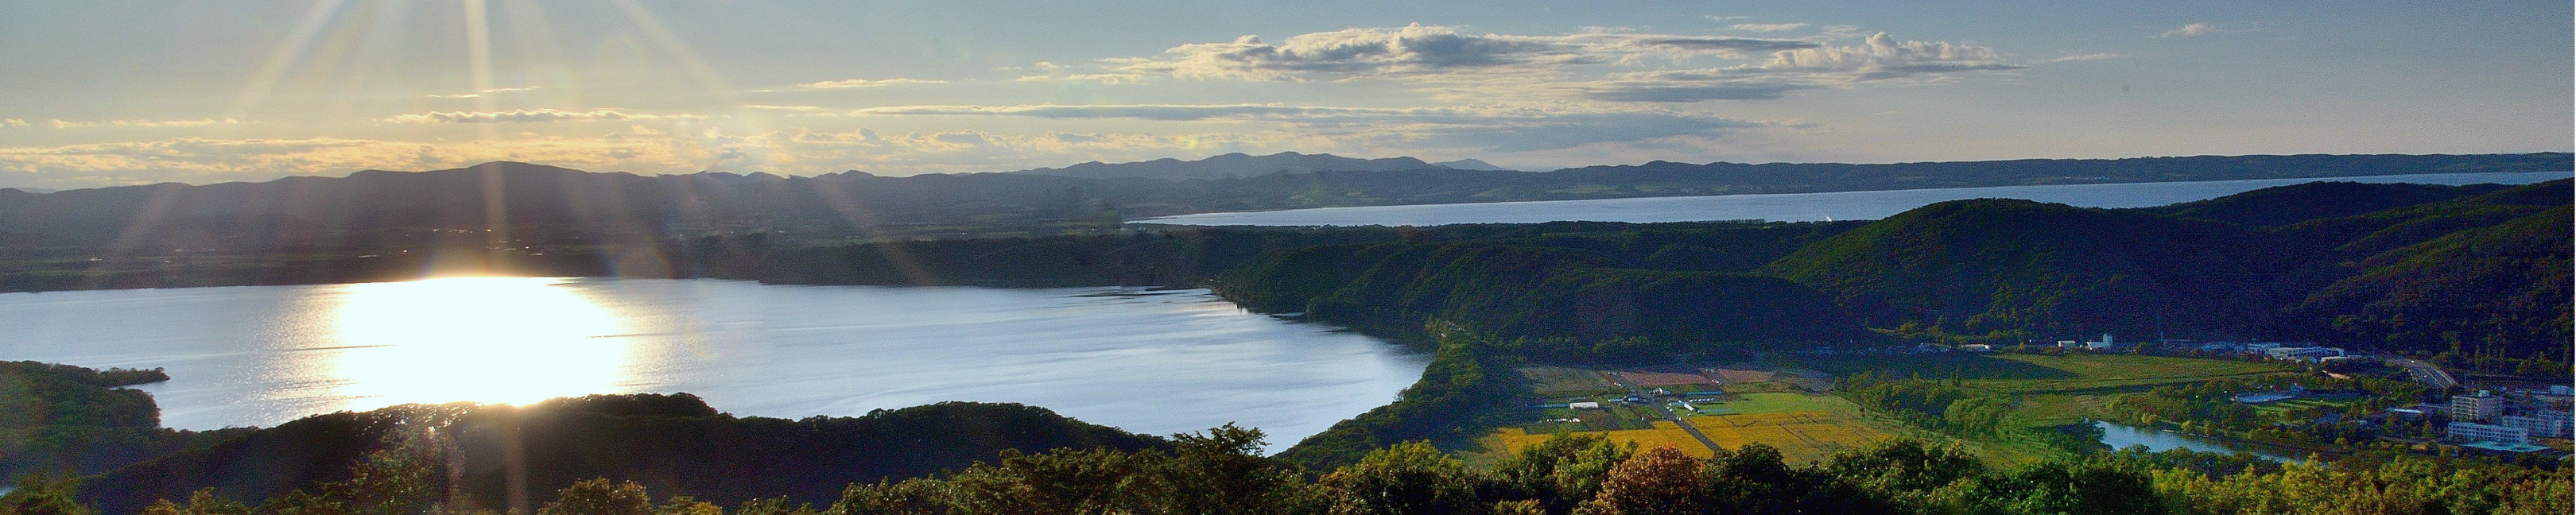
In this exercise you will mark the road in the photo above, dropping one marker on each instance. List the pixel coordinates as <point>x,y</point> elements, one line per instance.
<point>2427,373</point>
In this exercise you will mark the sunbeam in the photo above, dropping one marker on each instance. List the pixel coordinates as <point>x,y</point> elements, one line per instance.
<point>284,57</point>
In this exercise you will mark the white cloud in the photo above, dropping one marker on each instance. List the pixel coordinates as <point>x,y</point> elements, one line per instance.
<point>1767,27</point>
<point>1498,68</point>
<point>12,122</point>
<point>865,83</point>
<point>530,115</point>
<point>2190,30</point>
<point>1428,51</point>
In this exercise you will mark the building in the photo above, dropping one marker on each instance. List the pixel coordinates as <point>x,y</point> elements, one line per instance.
<point>2539,426</point>
<point>2476,432</point>
<point>2476,408</point>
<point>1977,347</point>
<point>2103,344</point>
<point>1583,405</point>
<point>2302,353</point>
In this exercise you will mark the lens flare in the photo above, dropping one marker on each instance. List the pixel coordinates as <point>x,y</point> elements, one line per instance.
<point>481,339</point>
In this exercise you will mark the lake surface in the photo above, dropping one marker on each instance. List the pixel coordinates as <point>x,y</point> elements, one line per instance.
<point>1155,362</point>
<point>2124,436</point>
<point>1797,207</point>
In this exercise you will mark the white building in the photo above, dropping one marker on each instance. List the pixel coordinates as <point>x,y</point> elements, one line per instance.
<point>2476,408</point>
<point>2104,344</point>
<point>2472,431</point>
<point>2535,426</point>
<point>1583,405</point>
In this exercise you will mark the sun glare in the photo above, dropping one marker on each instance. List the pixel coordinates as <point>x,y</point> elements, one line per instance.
<point>482,339</point>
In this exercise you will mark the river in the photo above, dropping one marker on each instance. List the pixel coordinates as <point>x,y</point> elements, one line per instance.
<point>2124,436</point>
<point>1796,207</point>
<point>1154,362</point>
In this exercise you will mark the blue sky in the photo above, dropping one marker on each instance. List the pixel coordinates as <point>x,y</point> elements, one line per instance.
<point>120,92</point>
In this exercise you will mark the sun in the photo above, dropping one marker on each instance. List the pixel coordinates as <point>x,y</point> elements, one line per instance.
<point>481,339</point>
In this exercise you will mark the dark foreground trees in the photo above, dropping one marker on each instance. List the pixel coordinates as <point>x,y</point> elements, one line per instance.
<point>1218,472</point>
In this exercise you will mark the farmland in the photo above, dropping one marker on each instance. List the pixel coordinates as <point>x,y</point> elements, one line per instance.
<point>1782,403</point>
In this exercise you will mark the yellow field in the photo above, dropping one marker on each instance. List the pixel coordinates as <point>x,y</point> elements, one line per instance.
<point>1801,436</point>
<point>1665,434</point>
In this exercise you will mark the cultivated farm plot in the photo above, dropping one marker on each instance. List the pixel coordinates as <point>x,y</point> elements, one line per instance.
<point>1560,380</point>
<point>1801,436</point>
<point>1663,434</point>
<point>2038,373</point>
<point>1656,378</point>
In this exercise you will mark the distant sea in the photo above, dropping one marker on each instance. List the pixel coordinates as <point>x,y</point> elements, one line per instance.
<point>1798,207</point>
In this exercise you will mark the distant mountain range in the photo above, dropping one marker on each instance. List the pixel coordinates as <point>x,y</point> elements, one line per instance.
<point>1229,166</point>
<point>532,205</point>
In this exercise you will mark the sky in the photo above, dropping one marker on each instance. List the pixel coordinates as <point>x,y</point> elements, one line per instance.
<point>110,92</point>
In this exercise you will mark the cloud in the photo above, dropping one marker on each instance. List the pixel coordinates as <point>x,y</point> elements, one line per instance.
<point>1767,27</point>
<point>1879,58</point>
<point>2190,30</point>
<point>12,122</point>
<point>1426,51</point>
<point>1166,112</point>
<point>865,83</point>
<point>1499,68</point>
<point>530,116</point>
<point>800,109</point>
<point>2079,57</point>
<point>65,124</point>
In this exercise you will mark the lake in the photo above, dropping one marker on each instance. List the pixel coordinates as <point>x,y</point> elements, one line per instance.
<point>1796,207</point>
<point>2121,436</point>
<point>1155,362</point>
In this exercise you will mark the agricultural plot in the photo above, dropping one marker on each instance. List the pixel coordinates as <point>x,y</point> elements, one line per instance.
<point>1801,436</point>
<point>1554,381</point>
<point>1648,378</point>
<point>2048,373</point>
<point>1661,434</point>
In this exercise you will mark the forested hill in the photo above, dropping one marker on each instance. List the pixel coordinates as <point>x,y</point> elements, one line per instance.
<point>2477,270</point>
<point>671,443</point>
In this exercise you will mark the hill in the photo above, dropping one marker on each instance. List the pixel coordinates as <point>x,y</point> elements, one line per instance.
<point>498,454</point>
<point>2015,270</point>
<point>2285,205</point>
<point>1240,165</point>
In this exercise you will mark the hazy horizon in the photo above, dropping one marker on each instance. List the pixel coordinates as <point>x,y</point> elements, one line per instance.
<point>148,91</point>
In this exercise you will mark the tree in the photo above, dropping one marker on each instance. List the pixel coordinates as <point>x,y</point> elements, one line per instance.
<point>599,497</point>
<point>39,494</point>
<point>1405,479</point>
<point>1659,481</point>
<point>203,502</point>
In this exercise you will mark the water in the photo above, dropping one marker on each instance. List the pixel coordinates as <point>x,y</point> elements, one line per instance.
<point>2122,437</point>
<point>1151,362</point>
<point>1797,207</point>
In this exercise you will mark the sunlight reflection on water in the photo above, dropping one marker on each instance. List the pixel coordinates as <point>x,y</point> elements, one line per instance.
<point>1148,361</point>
